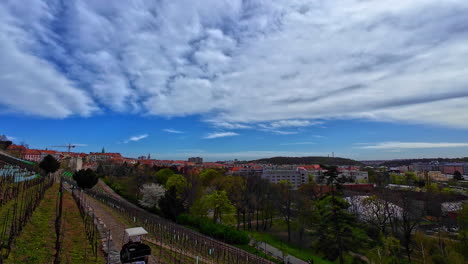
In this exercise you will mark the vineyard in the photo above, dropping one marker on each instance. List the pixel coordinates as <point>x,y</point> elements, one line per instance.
<point>40,222</point>
<point>182,242</point>
<point>19,199</point>
<point>47,219</point>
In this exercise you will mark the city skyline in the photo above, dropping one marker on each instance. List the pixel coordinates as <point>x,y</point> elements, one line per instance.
<point>237,79</point>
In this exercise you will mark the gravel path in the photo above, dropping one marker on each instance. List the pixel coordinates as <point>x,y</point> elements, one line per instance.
<point>115,225</point>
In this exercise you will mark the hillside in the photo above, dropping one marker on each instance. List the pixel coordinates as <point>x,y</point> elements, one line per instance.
<point>406,162</point>
<point>308,161</point>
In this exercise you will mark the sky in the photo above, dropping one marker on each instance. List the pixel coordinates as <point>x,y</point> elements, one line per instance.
<point>227,79</point>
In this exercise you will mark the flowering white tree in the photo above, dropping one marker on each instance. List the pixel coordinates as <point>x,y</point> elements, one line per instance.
<point>151,193</point>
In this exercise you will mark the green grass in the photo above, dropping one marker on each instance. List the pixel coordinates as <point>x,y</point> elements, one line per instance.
<point>36,242</point>
<point>76,247</point>
<point>257,252</point>
<point>288,249</point>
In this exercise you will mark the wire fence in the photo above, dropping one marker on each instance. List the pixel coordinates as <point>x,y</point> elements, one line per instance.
<point>180,240</point>
<point>90,222</point>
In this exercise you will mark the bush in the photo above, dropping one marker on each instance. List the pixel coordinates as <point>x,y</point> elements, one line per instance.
<point>85,179</point>
<point>225,233</point>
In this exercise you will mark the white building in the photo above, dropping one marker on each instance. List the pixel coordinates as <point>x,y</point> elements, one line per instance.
<point>295,177</point>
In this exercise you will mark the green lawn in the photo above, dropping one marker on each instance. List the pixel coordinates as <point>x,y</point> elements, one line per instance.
<point>257,252</point>
<point>301,253</point>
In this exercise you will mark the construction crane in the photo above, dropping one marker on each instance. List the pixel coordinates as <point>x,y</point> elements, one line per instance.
<point>69,146</point>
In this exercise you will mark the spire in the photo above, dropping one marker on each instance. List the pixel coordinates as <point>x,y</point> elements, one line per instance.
<point>149,156</point>
<point>103,150</point>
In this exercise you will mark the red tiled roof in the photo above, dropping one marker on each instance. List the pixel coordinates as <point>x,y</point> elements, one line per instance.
<point>16,147</point>
<point>106,154</point>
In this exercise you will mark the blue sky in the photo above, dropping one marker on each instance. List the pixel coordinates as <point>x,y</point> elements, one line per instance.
<point>237,79</point>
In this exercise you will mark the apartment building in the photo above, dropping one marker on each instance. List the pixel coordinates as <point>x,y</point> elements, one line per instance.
<point>295,177</point>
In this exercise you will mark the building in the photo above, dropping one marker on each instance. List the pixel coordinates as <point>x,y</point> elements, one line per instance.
<point>97,156</point>
<point>196,160</point>
<point>451,168</point>
<point>33,155</point>
<point>56,154</point>
<point>433,166</point>
<point>355,175</point>
<point>75,163</point>
<point>295,177</point>
<point>433,176</point>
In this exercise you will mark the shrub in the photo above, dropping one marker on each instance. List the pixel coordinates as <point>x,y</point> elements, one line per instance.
<point>225,233</point>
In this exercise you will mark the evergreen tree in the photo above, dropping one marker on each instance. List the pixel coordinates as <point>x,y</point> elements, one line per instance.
<point>170,205</point>
<point>337,230</point>
<point>49,164</point>
<point>86,179</point>
<point>457,176</point>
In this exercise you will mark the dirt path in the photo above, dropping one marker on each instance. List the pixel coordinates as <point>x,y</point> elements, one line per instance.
<point>115,225</point>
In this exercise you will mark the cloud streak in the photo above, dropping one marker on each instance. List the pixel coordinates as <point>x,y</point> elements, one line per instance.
<point>220,135</point>
<point>173,131</point>
<point>136,138</point>
<point>414,145</point>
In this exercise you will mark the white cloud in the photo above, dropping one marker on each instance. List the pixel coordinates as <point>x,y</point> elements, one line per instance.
<point>136,138</point>
<point>173,131</point>
<point>80,145</point>
<point>228,125</point>
<point>220,134</point>
<point>290,123</point>
<point>414,145</point>
<point>279,63</point>
<point>297,143</point>
<point>281,132</point>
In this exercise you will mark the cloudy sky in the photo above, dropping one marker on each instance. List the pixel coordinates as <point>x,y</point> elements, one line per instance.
<point>366,79</point>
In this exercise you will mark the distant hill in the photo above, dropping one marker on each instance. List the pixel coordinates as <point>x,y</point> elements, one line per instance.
<point>406,162</point>
<point>308,161</point>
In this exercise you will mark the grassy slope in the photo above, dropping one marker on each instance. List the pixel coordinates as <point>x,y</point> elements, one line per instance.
<point>301,253</point>
<point>36,242</point>
<point>76,248</point>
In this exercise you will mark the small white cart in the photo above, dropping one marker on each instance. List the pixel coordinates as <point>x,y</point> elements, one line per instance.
<point>134,251</point>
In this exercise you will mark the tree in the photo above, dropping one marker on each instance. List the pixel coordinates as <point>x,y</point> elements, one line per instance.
<point>235,189</point>
<point>217,202</point>
<point>162,175</point>
<point>85,179</point>
<point>151,193</point>
<point>208,175</point>
<point>49,164</point>
<point>179,182</point>
<point>336,230</point>
<point>407,221</point>
<point>103,150</point>
<point>463,226</point>
<point>387,253</point>
<point>171,206</point>
<point>457,176</point>
<point>100,170</point>
<point>285,203</point>
<point>5,142</point>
